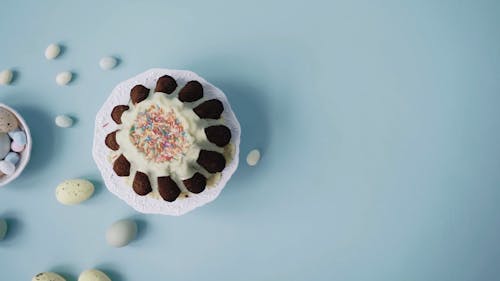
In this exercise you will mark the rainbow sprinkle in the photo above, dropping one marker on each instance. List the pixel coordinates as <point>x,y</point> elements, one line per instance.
<point>161,137</point>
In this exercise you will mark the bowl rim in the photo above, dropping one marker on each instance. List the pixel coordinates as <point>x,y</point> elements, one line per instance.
<point>25,155</point>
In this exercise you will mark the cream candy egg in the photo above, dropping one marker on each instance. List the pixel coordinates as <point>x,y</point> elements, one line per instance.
<point>108,63</point>
<point>253,157</point>
<point>52,51</point>
<point>93,275</point>
<point>121,233</point>
<point>4,145</point>
<point>3,229</point>
<point>64,121</point>
<point>8,121</point>
<point>6,77</point>
<point>74,191</point>
<point>64,78</point>
<point>48,276</point>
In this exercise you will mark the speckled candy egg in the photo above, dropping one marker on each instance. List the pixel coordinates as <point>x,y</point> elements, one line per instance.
<point>93,275</point>
<point>48,276</point>
<point>4,145</point>
<point>75,191</point>
<point>8,121</point>
<point>121,233</point>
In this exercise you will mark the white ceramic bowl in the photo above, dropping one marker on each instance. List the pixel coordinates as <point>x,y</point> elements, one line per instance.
<point>25,154</point>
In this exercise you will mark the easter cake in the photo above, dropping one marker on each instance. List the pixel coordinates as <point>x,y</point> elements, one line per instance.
<point>166,141</point>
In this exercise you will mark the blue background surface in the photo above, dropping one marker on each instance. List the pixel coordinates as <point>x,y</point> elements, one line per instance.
<point>378,123</point>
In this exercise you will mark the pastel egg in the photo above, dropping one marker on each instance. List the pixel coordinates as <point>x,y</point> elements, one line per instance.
<point>48,276</point>
<point>12,157</point>
<point>4,145</point>
<point>121,233</point>
<point>7,168</point>
<point>64,121</point>
<point>18,137</point>
<point>93,275</point>
<point>16,147</point>
<point>74,191</point>
<point>253,157</point>
<point>8,121</point>
<point>52,51</point>
<point>108,63</point>
<point>6,77</point>
<point>64,78</point>
<point>3,229</point>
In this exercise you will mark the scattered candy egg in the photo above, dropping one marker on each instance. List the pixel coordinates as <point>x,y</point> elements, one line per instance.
<point>8,121</point>
<point>7,168</point>
<point>64,121</point>
<point>253,157</point>
<point>6,77</point>
<point>12,157</point>
<point>16,147</point>
<point>4,145</point>
<point>74,191</point>
<point>93,275</point>
<point>18,137</point>
<point>52,51</point>
<point>108,63</point>
<point>121,233</point>
<point>64,78</point>
<point>3,229</point>
<point>48,276</point>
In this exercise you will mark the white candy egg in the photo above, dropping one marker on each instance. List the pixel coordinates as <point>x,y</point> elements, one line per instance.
<point>7,167</point>
<point>107,63</point>
<point>52,51</point>
<point>6,77</point>
<point>48,276</point>
<point>63,121</point>
<point>121,233</point>
<point>64,78</point>
<point>93,275</point>
<point>75,191</point>
<point>3,229</point>
<point>253,157</point>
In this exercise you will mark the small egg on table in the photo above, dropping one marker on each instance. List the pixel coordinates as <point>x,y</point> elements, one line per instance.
<point>93,275</point>
<point>63,78</point>
<point>107,63</point>
<point>64,121</point>
<point>52,51</point>
<point>121,233</point>
<point>48,276</point>
<point>253,157</point>
<point>6,77</point>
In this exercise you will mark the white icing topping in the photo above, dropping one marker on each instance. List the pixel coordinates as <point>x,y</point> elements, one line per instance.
<point>178,168</point>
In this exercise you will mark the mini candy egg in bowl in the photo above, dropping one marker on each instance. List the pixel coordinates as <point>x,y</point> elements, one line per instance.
<point>15,144</point>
